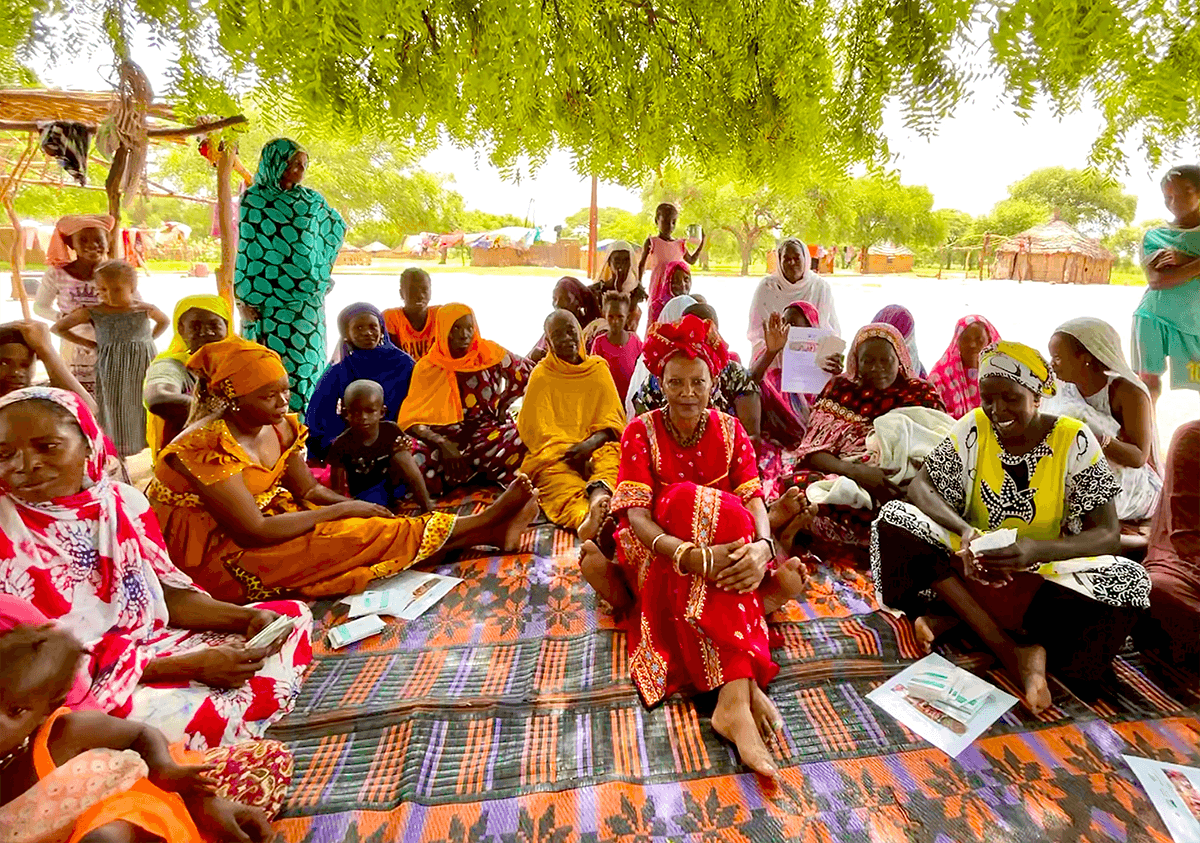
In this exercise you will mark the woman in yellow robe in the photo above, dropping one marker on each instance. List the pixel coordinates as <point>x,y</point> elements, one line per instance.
<point>571,421</point>
<point>243,515</point>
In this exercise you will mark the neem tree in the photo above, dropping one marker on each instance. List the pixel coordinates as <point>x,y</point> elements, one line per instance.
<point>777,90</point>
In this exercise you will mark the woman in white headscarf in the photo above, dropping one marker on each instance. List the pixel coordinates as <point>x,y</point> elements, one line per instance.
<point>792,280</point>
<point>1097,386</point>
<point>672,312</point>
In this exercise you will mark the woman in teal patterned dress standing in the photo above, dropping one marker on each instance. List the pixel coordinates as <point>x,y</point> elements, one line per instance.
<point>288,239</point>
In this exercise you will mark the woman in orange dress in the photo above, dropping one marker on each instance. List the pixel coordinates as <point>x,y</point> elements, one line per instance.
<point>244,516</point>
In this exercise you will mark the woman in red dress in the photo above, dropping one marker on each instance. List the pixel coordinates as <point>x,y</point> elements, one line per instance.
<point>693,549</point>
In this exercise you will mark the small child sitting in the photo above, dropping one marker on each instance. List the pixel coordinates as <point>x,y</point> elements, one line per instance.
<point>86,775</point>
<point>619,346</point>
<point>372,460</point>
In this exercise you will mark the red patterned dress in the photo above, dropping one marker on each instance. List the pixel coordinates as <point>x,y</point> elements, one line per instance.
<point>685,633</point>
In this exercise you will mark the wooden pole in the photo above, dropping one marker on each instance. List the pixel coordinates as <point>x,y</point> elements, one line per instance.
<point>112,186</point>
<point>18,258</point>
<point>225,223</point>
<point>987,241</point>
<point>592,222</point>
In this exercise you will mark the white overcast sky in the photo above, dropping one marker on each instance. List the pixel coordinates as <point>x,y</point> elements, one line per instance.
<point>968,165</point>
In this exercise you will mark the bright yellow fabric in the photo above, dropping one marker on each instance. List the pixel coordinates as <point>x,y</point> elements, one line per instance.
<point>563,493</point>
<point>564,404</point>
<point>1046,484</point>
<point>416,343</point>
<point>433,396</point>
<point>177,350</point>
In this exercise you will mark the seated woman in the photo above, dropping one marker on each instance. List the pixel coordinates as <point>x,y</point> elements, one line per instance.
<point>1008,465</point>
<point>955,376</point>
<point>1173,558</point>
<point>458,407</point>
<point>246,518</point>
<point>618,275</point>
<point>571,420</point>
<point>693,549</point>
<point>878,379</point>
<point>367,353</point>
<point>672,311</point>
<point>792,280</point>
<point>578,299</point>
<point>22,345</point>
<point>87,551</point>
<point>678,277</point>
<point>901,318</point>
<point>167,391</point>
<point>1097,386</point>
<point>84,775</point>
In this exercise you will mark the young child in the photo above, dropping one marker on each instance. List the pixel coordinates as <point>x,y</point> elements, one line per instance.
<point>88,775</point>
<point>372,458</point>
<point>125,331</point>
<point>665,250</point>
<point>1167,321</point>
<point>411,326</point>
<point>619,347</point>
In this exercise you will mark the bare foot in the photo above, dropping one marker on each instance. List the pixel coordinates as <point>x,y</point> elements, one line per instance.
<point>512,533</point>
<point>766,715</point>
<point>931,627</point>
<point>787,583</point>
<point>733,720</point>
<point>785,508</point>
<point>604,577</point>
<point>1031,663</point>
<point>801,523</point>
<point>597,510</point>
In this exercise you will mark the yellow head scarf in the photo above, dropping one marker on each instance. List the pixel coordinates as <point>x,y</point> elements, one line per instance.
<point>433,396</point>
<point>178,350</point>
<point>564,404</point>
<point>1018,363</point>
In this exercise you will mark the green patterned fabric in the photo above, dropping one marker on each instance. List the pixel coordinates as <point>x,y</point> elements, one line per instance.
<point>287,243</point>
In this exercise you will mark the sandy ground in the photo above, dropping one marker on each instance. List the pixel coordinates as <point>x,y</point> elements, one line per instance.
<point>511,309</point>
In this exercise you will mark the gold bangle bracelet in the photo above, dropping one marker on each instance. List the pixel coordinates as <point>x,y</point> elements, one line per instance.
<point>654,544</point>
<point>683,548</point>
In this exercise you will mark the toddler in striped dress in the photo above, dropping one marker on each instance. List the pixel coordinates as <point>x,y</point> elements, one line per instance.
<point>125,332</point>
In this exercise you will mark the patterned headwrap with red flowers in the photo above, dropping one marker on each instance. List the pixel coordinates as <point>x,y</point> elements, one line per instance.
<point>691,336</point>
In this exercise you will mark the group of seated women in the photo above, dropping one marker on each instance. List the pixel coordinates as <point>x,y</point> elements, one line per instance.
<point>691,493</point>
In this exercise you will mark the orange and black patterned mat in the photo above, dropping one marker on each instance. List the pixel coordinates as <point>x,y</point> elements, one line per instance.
<point>505,715</point>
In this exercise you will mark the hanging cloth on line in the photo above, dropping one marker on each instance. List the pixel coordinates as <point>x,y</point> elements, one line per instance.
<point>67,143</point>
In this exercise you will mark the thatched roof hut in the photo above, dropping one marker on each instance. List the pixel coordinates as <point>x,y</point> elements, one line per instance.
<point>1053,252</point>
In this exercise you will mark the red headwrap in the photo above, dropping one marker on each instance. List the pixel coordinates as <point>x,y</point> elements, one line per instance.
<point>692,336</point>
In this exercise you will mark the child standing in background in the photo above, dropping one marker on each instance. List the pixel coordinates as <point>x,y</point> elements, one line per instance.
<point>1166,323</point>
<point>125,331</point>
<point>665,250</point>
<point>372,458</point>
<point>619,347</point>
<point>411,326</point>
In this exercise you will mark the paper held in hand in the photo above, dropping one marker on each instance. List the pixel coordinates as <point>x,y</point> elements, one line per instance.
<point>406,596</point>
<point>802,356</point>
<point>946,705</point>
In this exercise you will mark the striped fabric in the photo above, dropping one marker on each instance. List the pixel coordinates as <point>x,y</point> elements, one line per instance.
<point>125,347</point>
<point>506,714</point>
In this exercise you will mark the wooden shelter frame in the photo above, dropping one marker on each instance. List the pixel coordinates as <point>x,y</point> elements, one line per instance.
<point>24,110</point>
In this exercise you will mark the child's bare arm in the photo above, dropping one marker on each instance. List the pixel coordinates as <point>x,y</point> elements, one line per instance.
<point>63,326</point>
<point>79,731</point>
<point>161,320</point>
<point>642,259</point>
<point>692,257</point>
<point>404,464</point>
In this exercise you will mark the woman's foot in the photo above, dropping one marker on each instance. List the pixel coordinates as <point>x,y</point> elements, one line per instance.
<point>930,628</point>
<point>597,510</point>
<point>604,577</point>
<point>766,715</point>
<point>733,720</point>
<point>800,523</point>
<point>1031,666</point>
<point>501,524</point>
<point>785,508</point>
<point>786,584</point>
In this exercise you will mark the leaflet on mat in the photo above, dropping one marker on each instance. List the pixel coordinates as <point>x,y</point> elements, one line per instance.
<point>407,596</point>
<point>946,705</point>
<point>1175,792</point>
<point>801,364</point>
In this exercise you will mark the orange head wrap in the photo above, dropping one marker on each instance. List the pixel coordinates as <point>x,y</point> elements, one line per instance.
<point>690,336</point>
<point>234,367</point>
<point>433,396</point>
<point>58,251</point>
